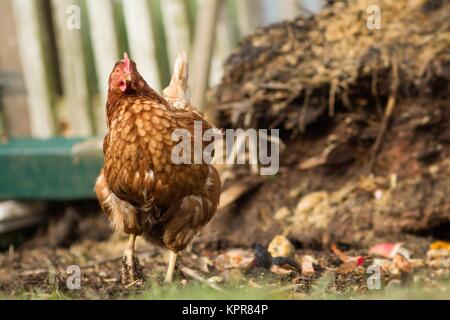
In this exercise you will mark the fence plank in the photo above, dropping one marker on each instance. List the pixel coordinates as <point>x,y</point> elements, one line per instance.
<point>250,15</point>
<point>33,62</point>
<point>203,47</point>
<point>141,41</point>
<point>106,52</point>
<point>224,43</point>
<point>13,93</point>
<point>176,26</point>
<point>289,9</point>
<point>74,108</point>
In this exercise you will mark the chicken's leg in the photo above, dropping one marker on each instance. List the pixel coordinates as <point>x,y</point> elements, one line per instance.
<point>171,267</point>
<point>131,270</point>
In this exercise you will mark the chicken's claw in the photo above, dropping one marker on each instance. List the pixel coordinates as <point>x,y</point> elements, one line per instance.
<point>131,271</point>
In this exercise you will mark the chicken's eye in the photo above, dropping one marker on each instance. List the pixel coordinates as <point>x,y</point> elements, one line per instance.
<point>117,70</point>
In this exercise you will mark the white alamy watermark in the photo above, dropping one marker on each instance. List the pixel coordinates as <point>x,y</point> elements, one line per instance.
<point>374,280</point>
<point>258,148</point>
<point>373,21</point>
<point>73,282</point>
<point>73,21</point>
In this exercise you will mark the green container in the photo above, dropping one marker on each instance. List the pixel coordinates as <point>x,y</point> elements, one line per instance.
<point>50,169</point>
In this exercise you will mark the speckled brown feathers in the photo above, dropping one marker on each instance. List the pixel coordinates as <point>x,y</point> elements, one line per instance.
<point>140,188</point>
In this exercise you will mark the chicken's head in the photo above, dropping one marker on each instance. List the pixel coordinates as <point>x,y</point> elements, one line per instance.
<point>121,76</point>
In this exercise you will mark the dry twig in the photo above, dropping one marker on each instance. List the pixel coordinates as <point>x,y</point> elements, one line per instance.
<point>194,275</point>
<point>387,113</point>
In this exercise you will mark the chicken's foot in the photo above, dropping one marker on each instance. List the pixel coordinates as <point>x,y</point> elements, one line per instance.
<point>131,269</point>
<point>171,267</point>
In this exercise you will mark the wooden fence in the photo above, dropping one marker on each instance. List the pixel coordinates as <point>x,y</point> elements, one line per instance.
<point>68,47</point>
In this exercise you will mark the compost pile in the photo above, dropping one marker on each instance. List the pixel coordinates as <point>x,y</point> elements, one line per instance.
<point>364,123</point>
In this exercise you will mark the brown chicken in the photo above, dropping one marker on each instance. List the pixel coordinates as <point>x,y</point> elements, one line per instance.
<point>140,188</point>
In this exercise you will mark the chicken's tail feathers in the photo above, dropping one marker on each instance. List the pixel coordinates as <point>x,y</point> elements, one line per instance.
<point>181,68</point>
<point>178,92</point>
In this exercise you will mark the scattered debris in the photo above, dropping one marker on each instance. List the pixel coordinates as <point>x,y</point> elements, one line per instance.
<point>193,274</point>
<point>264,259</point>
<point>281,270</point>
<point>438,256</point>
<point>384,264</point>
<point>350,263</point>
<point>235,259</point>
<point>216,279</point>
<point>385,250</point>
<point>308,265</point>
<point>440,245</point>
<point>280,246</point>
<point>401,263</point>
<point>359,260</point>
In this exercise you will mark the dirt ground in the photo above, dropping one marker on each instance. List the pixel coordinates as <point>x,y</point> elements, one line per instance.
<point>38,270</point>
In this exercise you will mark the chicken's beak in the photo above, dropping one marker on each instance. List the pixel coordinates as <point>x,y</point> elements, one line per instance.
<point>127,77</point>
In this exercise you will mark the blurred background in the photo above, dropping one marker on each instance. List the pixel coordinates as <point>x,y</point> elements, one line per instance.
<point>55,62</point>
<point>57,55</point>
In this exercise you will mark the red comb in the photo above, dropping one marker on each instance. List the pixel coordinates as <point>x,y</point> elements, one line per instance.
<point>126,60</point>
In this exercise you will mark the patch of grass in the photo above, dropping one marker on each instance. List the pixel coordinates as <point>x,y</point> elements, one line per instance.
<point>434,290</point>
<point>200,292</point>
<point>414,291</point>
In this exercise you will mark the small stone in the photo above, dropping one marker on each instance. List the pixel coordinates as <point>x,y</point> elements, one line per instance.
<point>280,246</point>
